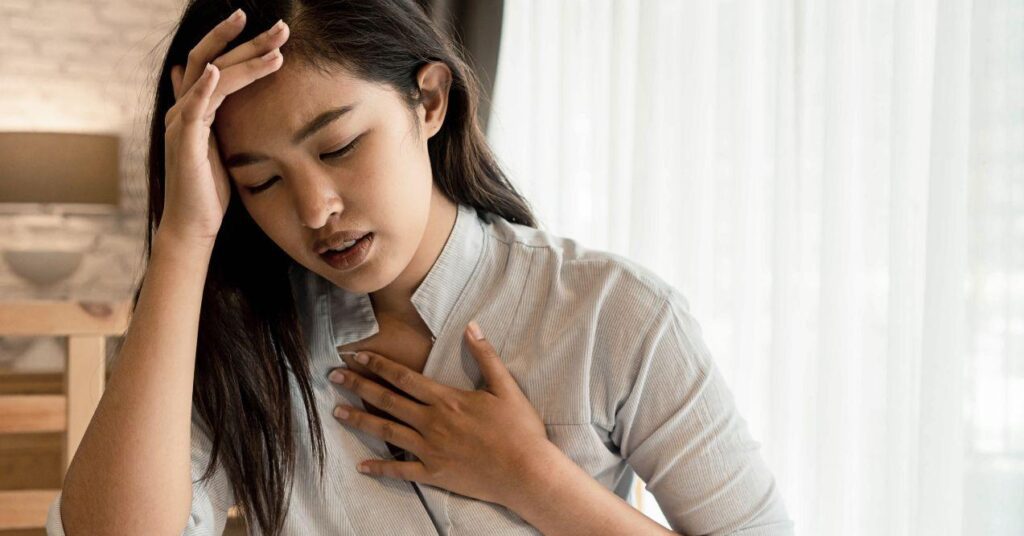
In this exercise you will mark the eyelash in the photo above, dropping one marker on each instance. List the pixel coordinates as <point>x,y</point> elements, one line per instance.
<point>333,154</point>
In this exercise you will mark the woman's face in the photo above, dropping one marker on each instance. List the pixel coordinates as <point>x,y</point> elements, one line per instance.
<point>365,169</point>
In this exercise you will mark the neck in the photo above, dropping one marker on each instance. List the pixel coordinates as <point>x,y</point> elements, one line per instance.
<point>395,300</point>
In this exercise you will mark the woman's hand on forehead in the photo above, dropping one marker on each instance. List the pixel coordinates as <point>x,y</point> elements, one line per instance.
<point>198,189</point>
<point>240,66</point>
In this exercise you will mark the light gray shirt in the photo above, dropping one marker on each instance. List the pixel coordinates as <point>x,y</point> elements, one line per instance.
<point>607,352</point>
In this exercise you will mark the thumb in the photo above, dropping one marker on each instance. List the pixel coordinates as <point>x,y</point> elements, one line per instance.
<point>491,367</point>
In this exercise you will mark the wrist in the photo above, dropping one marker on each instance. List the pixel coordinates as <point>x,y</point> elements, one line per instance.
<point>167,238</point>
<point>540,473</point>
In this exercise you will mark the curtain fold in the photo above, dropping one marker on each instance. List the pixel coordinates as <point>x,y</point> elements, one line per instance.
<point>838,188</point>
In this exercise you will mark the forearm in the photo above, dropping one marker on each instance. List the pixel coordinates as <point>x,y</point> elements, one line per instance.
<point>560,498</point>
<point>132,470</point>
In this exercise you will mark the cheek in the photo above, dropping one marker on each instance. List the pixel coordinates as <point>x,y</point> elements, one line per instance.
<point>392,173</point>
<point>271,216</point>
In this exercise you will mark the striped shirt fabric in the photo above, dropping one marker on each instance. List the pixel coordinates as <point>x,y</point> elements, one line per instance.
<point>607,352</point>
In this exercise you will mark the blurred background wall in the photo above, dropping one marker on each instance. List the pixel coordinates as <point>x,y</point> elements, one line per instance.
<point>80,66</point>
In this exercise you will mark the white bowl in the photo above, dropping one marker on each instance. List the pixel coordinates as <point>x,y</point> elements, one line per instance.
<point>43,267</point>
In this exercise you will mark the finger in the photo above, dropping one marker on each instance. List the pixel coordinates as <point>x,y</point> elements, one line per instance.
<point>211,45</point>
<point>207,82</point>
<point>258,46</point>
<point>387,400</point>
<point>412,471</point>
<point>403,378</point>
<point>240,75</point>
<point>495,374</point>
<point>176,73</point>
<point>196,99</point>
<point>395,433</point>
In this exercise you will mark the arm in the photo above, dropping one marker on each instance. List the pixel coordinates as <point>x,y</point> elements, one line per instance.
<point>561,498</point>
<point>678,428</point>
<point>211,498</point>
<point>680,431</point>
<point>131,472</point>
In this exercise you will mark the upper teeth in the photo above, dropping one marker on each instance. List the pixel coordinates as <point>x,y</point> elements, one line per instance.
<point>346,245</point>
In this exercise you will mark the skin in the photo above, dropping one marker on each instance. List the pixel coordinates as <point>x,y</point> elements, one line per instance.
<point>460,439</point>
<point>130,475</point>
<point>387,185</point>
<point>383,184</point>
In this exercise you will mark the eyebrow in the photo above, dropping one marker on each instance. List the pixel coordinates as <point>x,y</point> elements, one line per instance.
<point>318,122</point>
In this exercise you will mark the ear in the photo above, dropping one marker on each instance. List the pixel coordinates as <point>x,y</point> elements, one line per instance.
<point>434,80</point>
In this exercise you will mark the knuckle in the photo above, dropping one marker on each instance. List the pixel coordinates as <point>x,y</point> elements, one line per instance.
<point>422,446</point>
<point>387,431</point>
<point>387,401</point>
<point>255,67</point>
<point>403,380</point>
<point>357,382</point>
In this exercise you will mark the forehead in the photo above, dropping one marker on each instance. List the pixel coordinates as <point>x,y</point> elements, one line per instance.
<point>276,106</point>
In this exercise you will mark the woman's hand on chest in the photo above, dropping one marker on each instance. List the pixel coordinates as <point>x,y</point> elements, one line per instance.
<point>475,443</point>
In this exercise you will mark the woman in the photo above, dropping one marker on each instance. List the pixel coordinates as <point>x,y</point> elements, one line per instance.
<point>344,200</point>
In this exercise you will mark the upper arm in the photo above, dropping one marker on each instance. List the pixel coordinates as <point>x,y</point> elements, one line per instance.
<point>679,430</point>
<point>211,498</point>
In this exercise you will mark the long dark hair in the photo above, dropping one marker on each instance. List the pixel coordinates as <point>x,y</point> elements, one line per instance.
<point>249,334</point>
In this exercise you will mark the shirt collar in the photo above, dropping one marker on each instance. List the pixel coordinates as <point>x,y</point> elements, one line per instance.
<point>351,314</point>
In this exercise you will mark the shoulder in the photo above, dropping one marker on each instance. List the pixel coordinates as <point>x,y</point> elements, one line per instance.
<point>573,270</point>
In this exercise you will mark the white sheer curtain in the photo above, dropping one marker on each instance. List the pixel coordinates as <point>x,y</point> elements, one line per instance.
<point>838,188</point>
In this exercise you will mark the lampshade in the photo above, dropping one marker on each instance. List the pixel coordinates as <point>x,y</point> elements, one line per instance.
<point>59,167</point>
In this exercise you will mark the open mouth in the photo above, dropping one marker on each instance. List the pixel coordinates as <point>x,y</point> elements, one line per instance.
<point>346,246</point>
<point>349,254</point>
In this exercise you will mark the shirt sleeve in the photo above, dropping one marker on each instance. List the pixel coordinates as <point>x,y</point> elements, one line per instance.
<point>679,430</point>
<point>211,498</point>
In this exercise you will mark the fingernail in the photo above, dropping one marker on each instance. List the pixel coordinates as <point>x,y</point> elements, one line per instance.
<point>362,358</point>
<point>340,413</point>
<point>474,330</point>
<point>237,15</point>
<point>337,376</point>
<point>277,27</point>
<point>270,55</point>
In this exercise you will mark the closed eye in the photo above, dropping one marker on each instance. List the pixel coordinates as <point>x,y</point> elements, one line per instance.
<point>344,150</point>
<point>262,186</point>
<point>333,154</point>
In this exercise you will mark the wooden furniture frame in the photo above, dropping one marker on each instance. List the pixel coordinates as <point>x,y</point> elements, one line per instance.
<point>85,325</point>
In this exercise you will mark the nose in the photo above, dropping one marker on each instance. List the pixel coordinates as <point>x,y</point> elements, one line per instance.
<point>316,199</point>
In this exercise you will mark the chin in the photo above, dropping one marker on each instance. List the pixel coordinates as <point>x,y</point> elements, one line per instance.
<point>366,279</point>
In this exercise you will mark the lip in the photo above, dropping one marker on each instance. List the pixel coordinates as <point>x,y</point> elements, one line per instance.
<point>337,239</point>
<point>353,256</point>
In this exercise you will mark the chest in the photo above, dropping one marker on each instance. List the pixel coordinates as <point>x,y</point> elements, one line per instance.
<point>403,342</point>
